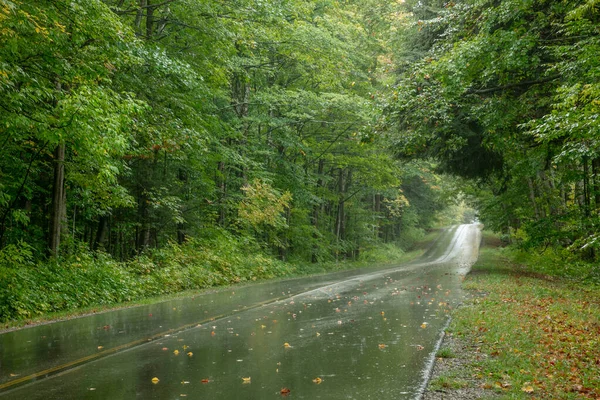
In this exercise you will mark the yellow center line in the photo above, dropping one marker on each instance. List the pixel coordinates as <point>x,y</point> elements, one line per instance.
<point>116,349</point>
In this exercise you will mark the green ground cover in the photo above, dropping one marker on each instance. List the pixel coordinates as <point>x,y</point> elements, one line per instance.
<point>536,321</point>
<point>36,292</point>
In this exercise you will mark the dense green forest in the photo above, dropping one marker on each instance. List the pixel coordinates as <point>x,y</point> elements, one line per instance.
<point>506,95</point>
<point>150,146</point>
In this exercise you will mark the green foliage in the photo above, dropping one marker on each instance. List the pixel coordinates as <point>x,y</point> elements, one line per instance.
<point>382,253</point>
<point>505,94</point>
<point>28,290</point>
<point>263,206</point>
<point>262,119</point>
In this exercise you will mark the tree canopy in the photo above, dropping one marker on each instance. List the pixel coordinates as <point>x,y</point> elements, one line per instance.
<point>129,125</point>
<point>505,93</point>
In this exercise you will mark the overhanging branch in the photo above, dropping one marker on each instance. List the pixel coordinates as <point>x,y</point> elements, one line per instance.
<point>512,85</point>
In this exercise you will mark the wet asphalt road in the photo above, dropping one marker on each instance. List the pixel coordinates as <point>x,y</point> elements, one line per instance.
<point>363,334</point>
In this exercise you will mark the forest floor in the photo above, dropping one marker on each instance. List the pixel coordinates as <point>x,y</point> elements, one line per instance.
<point>520,334</point>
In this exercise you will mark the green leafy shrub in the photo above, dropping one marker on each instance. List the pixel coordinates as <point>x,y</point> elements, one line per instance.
<point>28,290</point>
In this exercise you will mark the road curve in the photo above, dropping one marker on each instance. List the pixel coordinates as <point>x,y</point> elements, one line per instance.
<point>351,335</point>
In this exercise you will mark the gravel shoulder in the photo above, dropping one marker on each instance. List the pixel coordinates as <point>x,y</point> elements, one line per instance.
<point>453,373</point>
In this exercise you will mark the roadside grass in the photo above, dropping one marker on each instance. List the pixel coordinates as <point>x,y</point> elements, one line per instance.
<point>537,326</point>
<point>445,352</point>
<point>446,382</point>
<point>83,285</point>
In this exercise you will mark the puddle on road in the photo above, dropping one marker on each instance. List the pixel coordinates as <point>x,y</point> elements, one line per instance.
<point>367,337</point>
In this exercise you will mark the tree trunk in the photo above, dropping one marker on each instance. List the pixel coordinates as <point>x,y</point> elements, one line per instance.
<point>596,177</point>
<point>149,20</point>
<point>101,233</point>
<point>586,186</point>
<point>58,201</point>
<point>316,212</point>
<point>138,18</point>
<point>143,233</point>
<point>222,193</point>
<point>532,198</point>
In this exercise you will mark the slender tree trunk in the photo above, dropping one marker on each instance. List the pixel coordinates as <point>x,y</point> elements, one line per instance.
<point>58,201</point>
<point>380,233</point>
<point>532,198</point>
<point>138,17</point>
<point>240,96</point>
<point>101,232</point>
<point>149,20</point>
<point>143,233</point>
<point>222,183</point>
<point>596,178</point>
<point>315,212</point>
<point>586,186</point>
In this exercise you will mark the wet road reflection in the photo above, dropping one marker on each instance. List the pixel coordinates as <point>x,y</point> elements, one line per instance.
<point>351,335</point>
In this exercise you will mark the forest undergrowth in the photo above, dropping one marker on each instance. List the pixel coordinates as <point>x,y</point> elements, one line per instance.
<point>31,292</point>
